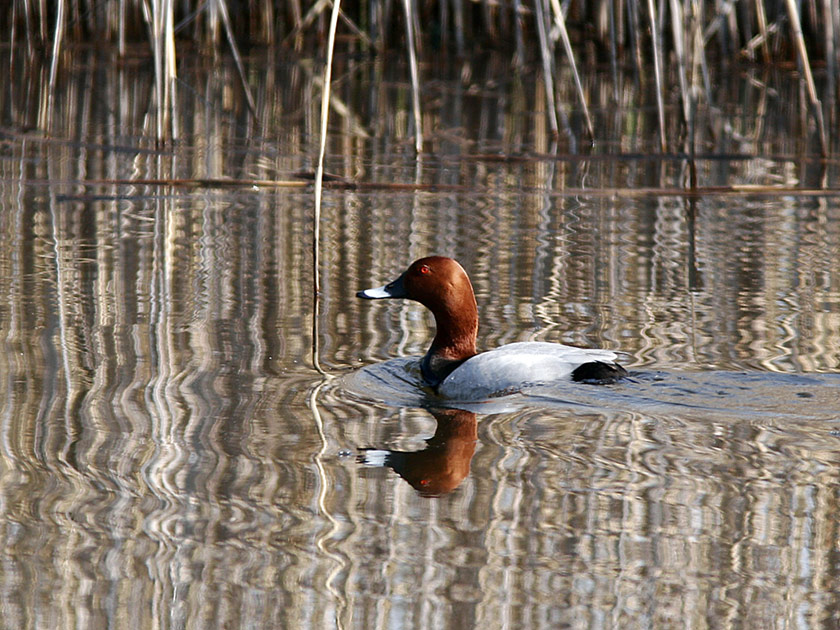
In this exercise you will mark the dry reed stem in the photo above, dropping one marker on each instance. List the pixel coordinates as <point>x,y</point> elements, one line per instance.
<point>678,30</point>
<point>816,106</point>
<point>319,179</point>
<point>656,39</point>
<point>560,22</point>
<point>415,77</point>
<point>236,57</point>
<point>547,57</point>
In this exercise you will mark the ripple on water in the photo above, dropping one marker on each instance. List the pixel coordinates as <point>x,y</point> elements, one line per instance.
<point>711,394</point>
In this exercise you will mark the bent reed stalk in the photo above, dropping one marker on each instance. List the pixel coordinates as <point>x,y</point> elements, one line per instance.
<point>798,32</point>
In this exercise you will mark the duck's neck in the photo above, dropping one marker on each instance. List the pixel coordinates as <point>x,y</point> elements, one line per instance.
<point>454,343</point>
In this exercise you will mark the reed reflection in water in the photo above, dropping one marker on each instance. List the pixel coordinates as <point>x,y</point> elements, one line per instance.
<point>170,459</point>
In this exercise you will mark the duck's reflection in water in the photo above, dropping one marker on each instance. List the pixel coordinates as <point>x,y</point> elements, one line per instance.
<point>443,464</point>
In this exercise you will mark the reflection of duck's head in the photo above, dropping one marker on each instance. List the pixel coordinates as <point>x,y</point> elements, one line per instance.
<point>443,464</point>
<point>451,365</point>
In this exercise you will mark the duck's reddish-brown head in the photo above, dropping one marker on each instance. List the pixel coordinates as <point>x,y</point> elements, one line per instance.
<point>441,285</point>
<point>437,282</point>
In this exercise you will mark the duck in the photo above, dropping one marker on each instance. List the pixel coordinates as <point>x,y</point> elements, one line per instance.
<point>452,367</point>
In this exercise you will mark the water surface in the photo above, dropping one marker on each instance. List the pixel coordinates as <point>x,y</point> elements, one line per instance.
<point>171,458</point>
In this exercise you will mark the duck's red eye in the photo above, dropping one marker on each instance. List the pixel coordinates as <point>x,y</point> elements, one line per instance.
<point>425,269</point>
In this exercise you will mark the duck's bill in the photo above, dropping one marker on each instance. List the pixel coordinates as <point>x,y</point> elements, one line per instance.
<point>374,294</point>
<point>393,289</point>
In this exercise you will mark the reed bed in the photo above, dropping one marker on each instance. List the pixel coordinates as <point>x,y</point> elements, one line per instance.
<point>647,36</point>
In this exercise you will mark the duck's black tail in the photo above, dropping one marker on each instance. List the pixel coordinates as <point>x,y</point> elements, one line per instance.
<point>599,373</point>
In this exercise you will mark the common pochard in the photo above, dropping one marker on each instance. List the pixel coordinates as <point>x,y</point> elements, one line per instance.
<point>453,368</point>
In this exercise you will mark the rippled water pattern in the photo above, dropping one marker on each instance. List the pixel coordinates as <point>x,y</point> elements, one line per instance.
<point>170,458</point>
